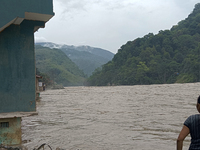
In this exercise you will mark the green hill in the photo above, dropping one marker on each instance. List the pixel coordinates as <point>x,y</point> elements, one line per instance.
<point>88,58</point>
<point>168,57</point>
<point>85,57</point>
<point>58,66</point>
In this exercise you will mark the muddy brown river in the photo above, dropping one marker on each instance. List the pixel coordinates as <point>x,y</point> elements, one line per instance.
<point>141,117</point>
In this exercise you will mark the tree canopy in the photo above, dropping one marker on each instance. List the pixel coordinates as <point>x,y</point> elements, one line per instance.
<point>171,56</point>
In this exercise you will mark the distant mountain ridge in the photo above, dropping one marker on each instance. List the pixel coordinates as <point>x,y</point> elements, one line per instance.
<point>85,57</point>
<point>60,69</point>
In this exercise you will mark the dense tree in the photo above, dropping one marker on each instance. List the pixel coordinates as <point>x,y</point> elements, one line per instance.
<point>167,57</point>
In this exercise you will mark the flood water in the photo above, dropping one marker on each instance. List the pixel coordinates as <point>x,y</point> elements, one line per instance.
<point>141,117</point>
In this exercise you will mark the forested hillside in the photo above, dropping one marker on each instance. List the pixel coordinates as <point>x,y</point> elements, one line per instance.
<point>88,60</point>
<point>85,57</point>
<point>58,67</point>
<point>171,56</point>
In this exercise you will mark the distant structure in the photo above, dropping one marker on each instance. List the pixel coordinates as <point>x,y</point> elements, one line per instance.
<point>37,87</point>
<point>19,19</point>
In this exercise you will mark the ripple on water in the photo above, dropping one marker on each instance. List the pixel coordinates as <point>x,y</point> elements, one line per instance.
<point>105,118</point>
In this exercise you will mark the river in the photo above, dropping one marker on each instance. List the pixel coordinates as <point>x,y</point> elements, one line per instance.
<point>140,117</point>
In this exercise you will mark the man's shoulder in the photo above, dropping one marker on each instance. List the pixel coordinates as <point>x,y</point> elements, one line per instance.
<point>191,119</point>
<point>194,117</point>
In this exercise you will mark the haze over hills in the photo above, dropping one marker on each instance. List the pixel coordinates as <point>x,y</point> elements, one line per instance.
<point>85,57</point>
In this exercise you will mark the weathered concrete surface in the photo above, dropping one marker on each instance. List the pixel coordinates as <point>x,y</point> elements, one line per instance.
<point>11,135</point>
<point>19,20</point>
<point>14,11</point>
<point>17,68</point>
<point>17,56</point>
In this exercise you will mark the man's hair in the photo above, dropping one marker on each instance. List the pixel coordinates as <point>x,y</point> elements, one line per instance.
<point>198,99</point>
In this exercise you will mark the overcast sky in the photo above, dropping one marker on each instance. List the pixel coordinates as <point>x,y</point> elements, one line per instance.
<point>109,24</point>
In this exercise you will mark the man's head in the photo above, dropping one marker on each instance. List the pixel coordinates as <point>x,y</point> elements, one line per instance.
<point>198,104</point>
<point>198,100</point>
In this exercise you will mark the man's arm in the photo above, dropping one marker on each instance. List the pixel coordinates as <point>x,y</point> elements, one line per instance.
<point>184,132</point>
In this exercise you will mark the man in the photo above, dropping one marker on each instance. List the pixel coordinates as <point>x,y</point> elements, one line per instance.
<point>192,126</point>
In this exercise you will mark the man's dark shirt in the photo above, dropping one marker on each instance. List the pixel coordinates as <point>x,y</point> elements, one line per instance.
<point>193,123</point>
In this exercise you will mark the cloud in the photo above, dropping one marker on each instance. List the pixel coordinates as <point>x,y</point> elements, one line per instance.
<point>109,24</point>
<point>40,39</point>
